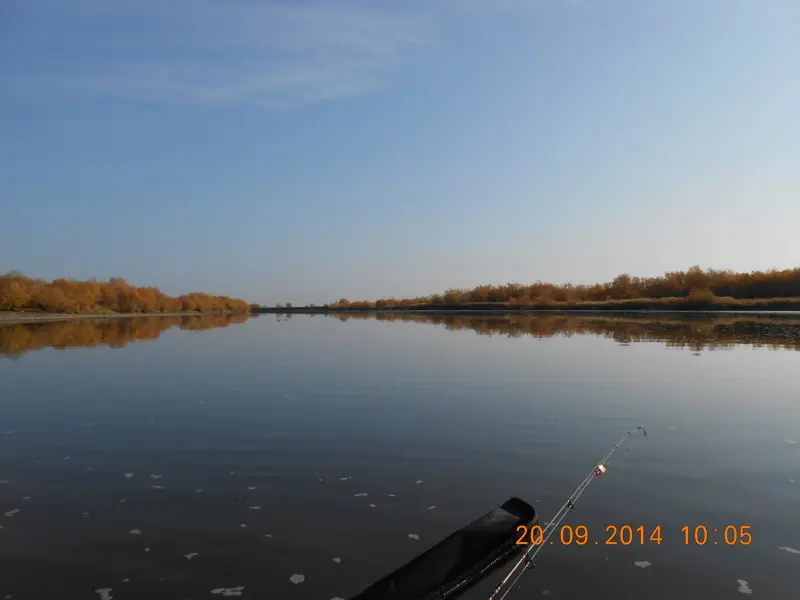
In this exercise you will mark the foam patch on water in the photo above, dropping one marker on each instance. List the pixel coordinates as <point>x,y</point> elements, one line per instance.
<point>337,560</point>
<point>128,475</point>
<point>26,497</point>
<point>744,587</point>
<point>66,458</point>
<point>147,550</point>
<point>12,512</point>
<point>297,578</point>
<point>431,507</point>
<point>155,476</point>
<point>135,532</point>
<point>104,593</point>
<point>419,481</point>
<point>790,441</point>
<point>672,428</point>
<point>361,494</point>
<point>157,487</point>
<point>372,506</point>
<point>123,500</point>
<point>255,508</point>
<point>643,564</point>
<point>191,555</point>
<point>390,495</point>
<point>234,591</point>
<point>84,514</point>
<point>199,490</point>
<point>251,487</point>
<point>345,478</point>
<point>789,550</point>
<point>8,432</point>
<point>3,480</point>
<point>413,536</point>
<point>243,525</point>
<point>791,481</point>
<point>269,535</point>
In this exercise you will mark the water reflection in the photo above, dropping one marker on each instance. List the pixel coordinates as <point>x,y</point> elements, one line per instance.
<point>17,339</point>
<point>692,331</point>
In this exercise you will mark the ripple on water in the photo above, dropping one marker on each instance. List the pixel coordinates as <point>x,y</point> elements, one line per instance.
<point>233,591</point>
<point>789,550</point>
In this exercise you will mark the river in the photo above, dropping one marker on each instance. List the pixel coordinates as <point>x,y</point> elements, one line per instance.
<point>305,457</point>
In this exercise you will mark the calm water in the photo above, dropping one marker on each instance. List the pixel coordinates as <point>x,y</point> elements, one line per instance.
<point>198,462</point>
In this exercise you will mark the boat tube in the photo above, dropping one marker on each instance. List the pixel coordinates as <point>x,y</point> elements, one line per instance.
<point>459,561</point>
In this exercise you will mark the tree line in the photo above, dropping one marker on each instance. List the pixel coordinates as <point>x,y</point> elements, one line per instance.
<point>706,286</point>
<point>18,292</point>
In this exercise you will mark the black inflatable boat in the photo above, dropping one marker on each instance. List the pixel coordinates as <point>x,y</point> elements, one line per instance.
<point>460,560</point>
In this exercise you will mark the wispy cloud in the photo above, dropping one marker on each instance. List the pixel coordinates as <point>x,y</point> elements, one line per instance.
<point>265,53</point>
<point>268,55</point>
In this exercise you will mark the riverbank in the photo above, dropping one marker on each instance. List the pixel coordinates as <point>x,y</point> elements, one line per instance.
<point>13,317</point>
<point>637,306</point>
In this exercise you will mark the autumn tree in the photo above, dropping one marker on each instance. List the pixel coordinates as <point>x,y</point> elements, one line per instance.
<point>18,292</point>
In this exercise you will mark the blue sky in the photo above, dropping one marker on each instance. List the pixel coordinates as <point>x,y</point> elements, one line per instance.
<point>302,151</point>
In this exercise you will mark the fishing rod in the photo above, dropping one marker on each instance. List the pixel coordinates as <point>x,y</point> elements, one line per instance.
<point>527,558</point>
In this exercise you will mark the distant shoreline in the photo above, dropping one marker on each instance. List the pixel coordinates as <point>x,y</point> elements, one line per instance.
<point>12,317</point>
<point>746,310</point>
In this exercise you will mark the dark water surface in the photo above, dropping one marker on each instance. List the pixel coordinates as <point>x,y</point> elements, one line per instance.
<point>208,464</point>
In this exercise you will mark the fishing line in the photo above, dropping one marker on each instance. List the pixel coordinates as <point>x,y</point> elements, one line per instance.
<point>547,532</point>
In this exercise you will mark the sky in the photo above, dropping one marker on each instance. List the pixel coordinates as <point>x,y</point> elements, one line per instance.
<point>304,151</point>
